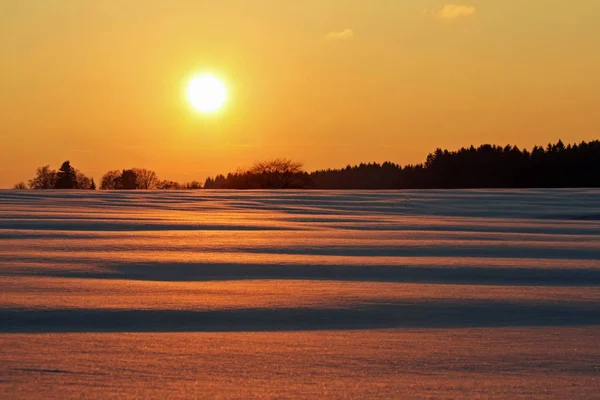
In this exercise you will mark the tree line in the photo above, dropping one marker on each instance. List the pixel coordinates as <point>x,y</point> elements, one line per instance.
<point>67,177</point>
<point>487,166</point>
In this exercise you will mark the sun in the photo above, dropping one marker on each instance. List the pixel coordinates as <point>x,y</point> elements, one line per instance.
<point>207,93</point>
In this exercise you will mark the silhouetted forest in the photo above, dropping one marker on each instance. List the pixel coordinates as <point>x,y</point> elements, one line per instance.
<point>486,166</point>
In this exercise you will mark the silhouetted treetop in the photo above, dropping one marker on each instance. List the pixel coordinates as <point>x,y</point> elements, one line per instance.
<point>145,179</point>
<point>44,178</point>
<point>129,179</point>
<point>66,178</point>
<point>111,180</point>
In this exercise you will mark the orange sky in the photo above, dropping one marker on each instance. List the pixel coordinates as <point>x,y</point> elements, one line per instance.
<point>327,82</point>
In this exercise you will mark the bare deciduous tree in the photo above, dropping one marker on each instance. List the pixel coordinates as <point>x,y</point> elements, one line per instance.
<point>145,179</point>
<point>45,178</point>
<point>169,185</point>
<point>83,182</point>
<point>193,185</point>
<point>111,180</point>
<point>279,173</point>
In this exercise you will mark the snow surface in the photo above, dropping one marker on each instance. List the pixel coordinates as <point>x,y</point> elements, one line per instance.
<point>441,294</point>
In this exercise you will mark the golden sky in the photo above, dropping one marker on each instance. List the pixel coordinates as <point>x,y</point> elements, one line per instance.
<point>326,82</point>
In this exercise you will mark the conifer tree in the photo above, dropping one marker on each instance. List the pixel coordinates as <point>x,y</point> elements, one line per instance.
<point>66,177</point>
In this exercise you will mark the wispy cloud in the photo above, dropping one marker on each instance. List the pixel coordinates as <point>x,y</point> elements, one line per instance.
<point>452,11</point>
<point>346,34</point>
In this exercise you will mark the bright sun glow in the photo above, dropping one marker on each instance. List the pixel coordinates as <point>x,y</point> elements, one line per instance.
<point>207,93</point>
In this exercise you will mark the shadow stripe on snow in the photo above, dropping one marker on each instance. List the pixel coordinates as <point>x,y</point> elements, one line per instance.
<point>370,316</point>
<point>184,272</point>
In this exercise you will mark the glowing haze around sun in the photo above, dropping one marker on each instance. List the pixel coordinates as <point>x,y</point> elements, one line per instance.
<point>207,93</point>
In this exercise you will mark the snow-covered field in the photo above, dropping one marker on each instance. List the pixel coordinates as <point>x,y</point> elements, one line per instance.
<point>425,294</point>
